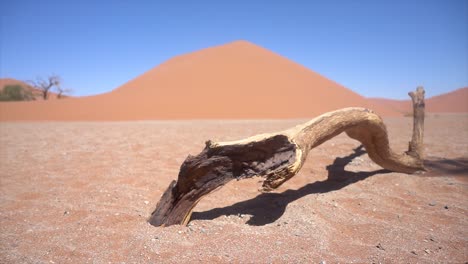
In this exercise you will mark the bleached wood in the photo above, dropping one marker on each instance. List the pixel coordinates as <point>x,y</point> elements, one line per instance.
<point>279,156</point>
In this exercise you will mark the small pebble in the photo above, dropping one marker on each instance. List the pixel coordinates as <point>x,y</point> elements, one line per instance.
<point>379,246</point>
<point>146,202</point>
<point>414,252</point>
<point>432,203</point>
<point>446,207</point>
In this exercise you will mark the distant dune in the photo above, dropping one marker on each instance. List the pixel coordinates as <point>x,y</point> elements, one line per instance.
<point>238,80</point>
<point>452,102</point>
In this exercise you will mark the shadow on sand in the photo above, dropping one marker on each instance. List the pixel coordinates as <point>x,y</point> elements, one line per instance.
<point>266,208</point>
<point>446,167</point>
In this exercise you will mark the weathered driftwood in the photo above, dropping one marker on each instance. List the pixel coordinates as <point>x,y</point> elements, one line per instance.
<point>415,147</point>
<point>279,156</point>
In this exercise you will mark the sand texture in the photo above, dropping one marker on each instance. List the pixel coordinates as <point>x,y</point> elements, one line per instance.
<point>81,192</point>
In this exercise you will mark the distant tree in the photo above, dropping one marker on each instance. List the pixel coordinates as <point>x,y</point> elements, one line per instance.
<point>44,86</point>
<point>62,92</point>
<point>15,93</point>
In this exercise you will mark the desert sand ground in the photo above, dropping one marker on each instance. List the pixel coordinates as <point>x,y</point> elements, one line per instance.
<point>81,192</point>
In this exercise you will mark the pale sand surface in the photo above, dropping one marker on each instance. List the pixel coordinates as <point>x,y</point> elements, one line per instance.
<point>81,192</point>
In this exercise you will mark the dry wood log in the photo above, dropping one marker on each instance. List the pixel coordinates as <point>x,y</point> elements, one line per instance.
<point>279,156</point>
<point>415,147</point>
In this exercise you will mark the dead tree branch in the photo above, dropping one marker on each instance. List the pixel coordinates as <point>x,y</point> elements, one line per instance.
<point>62,92</point>
<point>279,156</point>
<point>44,86</point>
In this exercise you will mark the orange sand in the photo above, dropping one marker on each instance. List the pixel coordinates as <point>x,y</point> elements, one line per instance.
<point>81,192</point>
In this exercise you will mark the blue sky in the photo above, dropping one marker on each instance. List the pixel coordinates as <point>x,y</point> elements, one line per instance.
<point>376,48</point>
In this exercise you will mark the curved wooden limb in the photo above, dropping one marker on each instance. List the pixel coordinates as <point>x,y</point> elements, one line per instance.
<point>279,156</point>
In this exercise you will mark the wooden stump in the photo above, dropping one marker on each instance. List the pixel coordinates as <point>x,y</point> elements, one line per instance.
<point>279,156</point>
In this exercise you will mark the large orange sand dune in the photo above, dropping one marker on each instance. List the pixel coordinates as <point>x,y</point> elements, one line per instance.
<point>237,80</point>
